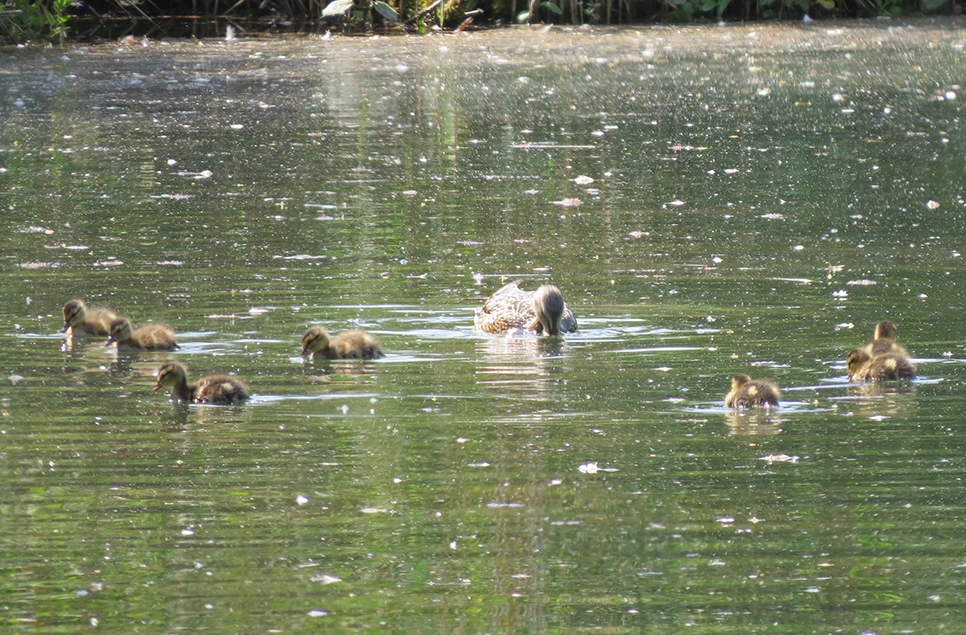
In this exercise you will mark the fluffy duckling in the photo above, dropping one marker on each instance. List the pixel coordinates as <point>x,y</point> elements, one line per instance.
<point>348,345</point>
<point>150,337</point>
<point>220,389</point>
<point>882,367</point>
<point>884,340</point>
<point>543,311</point>
<point>746,392</point>
<point>79,320</point>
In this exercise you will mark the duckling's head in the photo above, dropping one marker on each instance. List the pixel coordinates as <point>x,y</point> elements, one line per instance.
<point>739,380</point>
<point>548,304</point>
<point>885,329</point>
<point>170,375</point>
<point>75,312</point>
<point>120,331</point>
<point>315,340</point>
<point>857,359</point>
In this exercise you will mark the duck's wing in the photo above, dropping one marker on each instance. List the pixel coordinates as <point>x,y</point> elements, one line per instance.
<point>509,307</point>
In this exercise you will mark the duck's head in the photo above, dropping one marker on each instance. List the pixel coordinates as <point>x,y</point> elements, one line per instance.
<point>120,331</point>
<point>548,304</point>
<point>885,329</point>
<point>170,375</point>
<point>856,359</point>
<point>75,312</point>
<point>315,340</point>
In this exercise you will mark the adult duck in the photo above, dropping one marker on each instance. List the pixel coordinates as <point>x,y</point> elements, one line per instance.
<point>542,311</point>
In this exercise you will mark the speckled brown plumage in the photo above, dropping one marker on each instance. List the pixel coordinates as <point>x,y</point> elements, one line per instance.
<point>746,392</point>
<point>884,367</point>
<point>79,320</point>
<point>542,311</point>
<point>215,389</point>
<point>348,345</point>
<point>150,337</point>
<point>884,341</point>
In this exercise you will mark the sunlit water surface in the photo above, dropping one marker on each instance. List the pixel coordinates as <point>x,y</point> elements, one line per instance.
<point>710,200</point>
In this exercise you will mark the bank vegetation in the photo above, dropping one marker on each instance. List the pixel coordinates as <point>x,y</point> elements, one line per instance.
<point>38,21</point>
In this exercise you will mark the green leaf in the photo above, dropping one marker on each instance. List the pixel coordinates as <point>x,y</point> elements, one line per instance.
<point>336,8</point>
<point>551,7</point>
<point>388,13</point>
<point>709,5</point>
<point>932,5</point>
<point>826,4</point>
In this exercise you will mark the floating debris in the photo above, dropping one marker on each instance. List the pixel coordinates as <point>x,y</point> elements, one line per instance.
<point>778,458</point>
<point>326,578</point>
<point>39,265</point>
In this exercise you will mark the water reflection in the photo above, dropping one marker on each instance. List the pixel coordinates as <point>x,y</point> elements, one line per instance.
<point>325,371</point>
<point>755,421</point>
<point>879,400</point>
<point>526,364</point>
<point>236,191</point>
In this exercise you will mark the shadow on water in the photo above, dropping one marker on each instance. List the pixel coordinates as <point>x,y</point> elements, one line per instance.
<point>163,27</point>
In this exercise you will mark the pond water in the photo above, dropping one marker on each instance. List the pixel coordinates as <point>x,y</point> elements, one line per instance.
<point>711,201</point>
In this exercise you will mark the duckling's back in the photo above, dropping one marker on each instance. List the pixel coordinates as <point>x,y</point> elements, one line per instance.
<point>356,345</point>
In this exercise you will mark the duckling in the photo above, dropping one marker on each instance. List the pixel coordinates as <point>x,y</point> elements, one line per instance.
<point>348,345</point>
<point>543,311</point>
<point>884,340</point>
<point>150,337</point>
<point>219,389</point>
<point>746,392</point>
<point>79,320</point>
<point>882,367</point>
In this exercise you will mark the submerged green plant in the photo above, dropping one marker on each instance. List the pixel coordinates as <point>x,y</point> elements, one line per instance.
<point>28,20</point>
